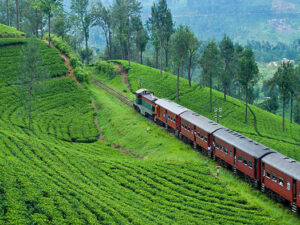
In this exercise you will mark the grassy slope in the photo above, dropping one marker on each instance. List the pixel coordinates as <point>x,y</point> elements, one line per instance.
<point>9,32</point>
<point>197,99</point>
<point>156,144</point>
<point>46,180</point>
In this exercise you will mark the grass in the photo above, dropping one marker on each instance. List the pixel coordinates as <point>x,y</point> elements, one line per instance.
<point>9,32</point>
<point>197,99</point>
<point>57,173</point>
<point>129,130</point>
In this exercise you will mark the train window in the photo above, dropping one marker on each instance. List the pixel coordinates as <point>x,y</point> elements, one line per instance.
<point>268,174</point>
<point>274,177</point>
<point>205,139</point>
<point>221,148</point>
<point>250,164</point>
<point>240,158</point>
<point>288,185</point>
<point>189,128</point>
<point>217,145</point>
<point>164,114</point>
<point>280,181</point>
<point>202,136</point>
<point>226,150</point>
<point>230,152</point>
<point>198,134</point>
<point>245,161</point>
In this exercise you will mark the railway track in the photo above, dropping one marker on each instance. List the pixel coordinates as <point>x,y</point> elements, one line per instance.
<point>124,99</point>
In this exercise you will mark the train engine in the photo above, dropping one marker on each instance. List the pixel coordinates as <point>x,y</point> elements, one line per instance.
<point>145,103</point>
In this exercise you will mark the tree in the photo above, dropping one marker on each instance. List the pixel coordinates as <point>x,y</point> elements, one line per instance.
<point>193,46</point>
<point>228,57</point>
<point>179,50</point>
<point>124,12</point>
<point>47,6</point>
<point>248,76</point>
<point>158,22</point>
<point>17,14</point>
<point>294,88</point>
<point>102,17</point>
<point>30,68</point>
<point>271,104</point>
<point>82,18</point>
<point>282,79</point>
<point>168,31</point>
<point>297,111</point>
<point>210,62</point>
<point>141,37</point>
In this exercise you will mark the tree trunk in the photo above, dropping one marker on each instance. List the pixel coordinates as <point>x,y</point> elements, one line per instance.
<point>246,113</point>
<point>167,54</point>
<point>141,57</point>
<point>189,70</point>
<point>49,27</point>
<point>283,113</point>
<point>178,74</point>
<point>86,48</point>
<point>128,42</point>
<point>110,44</point>
<point>30,106</point>
<point>224,90</point>
<point>292,103</point>
<point>160,44</point>
<point>210,93</point>
<point>156,58</point>
<point>37,24</point>
<point>7,13</point>
<point>17,13</point>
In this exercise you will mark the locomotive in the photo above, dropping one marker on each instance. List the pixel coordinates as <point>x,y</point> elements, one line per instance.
<point>265,168</point>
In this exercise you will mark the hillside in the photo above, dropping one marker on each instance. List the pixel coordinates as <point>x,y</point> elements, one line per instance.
<point>9,32</point>
<point>60,173</point>
<point>197,99</point>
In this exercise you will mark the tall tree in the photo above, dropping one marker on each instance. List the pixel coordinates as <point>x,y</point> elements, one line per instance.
<point>159,22</point>
<point>193,46</point>
<point>294,88</point>
<point>168,31</point>
<point>141,37</point>
<point>30,68</point>
<point>228,57</point>
<point>211,65</point>
<point>179,50</point>
<point>297,111</point>
<point>82,17</point>
<point>282,79</point>
<point>124,12</point>
<point>17,14</point>
<point>102,17</point>
<point>248,75</point>
<point>47,6</point>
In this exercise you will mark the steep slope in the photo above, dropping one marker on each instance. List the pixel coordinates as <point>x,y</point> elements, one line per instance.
<point>9,32</point>
<point>197,98</point>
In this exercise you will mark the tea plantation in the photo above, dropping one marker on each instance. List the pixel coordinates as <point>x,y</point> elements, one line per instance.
<point>59,173</point>
<point>9,32</point>
<point>197,99</point>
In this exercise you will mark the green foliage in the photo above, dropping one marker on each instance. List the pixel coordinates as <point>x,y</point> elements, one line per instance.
<point>10,60</point>
<point>81,75</point>
<point>108,69</point>
<point>9,32</point>
<point>64,47</point>
<point>197,99</point>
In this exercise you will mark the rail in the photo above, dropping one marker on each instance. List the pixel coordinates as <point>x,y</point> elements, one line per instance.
<point>124,99</point>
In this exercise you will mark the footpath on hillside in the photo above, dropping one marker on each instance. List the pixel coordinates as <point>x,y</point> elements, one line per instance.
<point>67,63</point>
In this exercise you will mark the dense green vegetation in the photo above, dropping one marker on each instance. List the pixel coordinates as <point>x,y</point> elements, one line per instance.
<point>9,32</point>
<point>197,99</point>
<point>142,138</point>
<point>48,177</point>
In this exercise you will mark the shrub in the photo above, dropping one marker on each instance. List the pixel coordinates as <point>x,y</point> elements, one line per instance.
<point>9,32</point>
<point>107,69</point>
<point>81,75</point>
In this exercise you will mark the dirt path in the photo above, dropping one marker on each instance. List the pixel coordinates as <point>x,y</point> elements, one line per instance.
<point>124,74</point>
<point>67,63</point>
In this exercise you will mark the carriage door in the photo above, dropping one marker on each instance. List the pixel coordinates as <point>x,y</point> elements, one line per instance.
<point>234,154</point>
<point>294,190</point>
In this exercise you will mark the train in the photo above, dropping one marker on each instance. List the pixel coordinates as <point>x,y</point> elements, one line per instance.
<point>264,168</point>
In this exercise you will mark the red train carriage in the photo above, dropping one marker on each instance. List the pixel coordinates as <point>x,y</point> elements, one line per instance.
<point>242,153</point>
<point>168,113</point>
<point>282,175</point>
<point>198,129</point>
